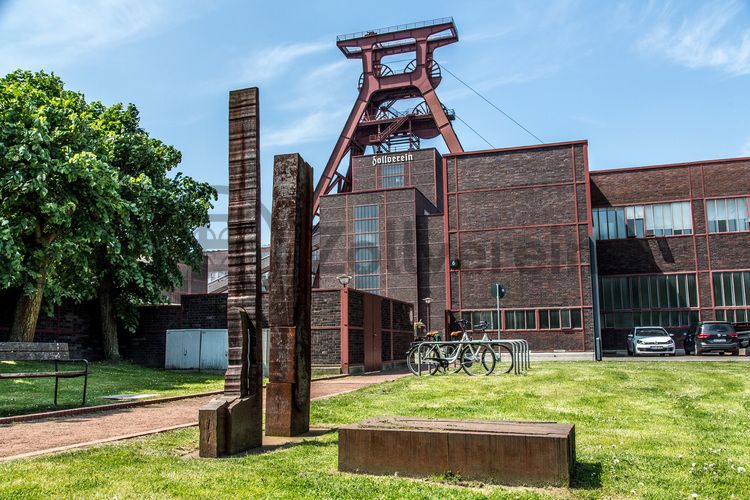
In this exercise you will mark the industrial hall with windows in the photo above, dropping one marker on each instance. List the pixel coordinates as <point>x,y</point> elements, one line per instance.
<point>584,254</point>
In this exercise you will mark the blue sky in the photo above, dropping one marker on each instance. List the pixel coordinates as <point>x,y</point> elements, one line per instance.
<point>645,82</point>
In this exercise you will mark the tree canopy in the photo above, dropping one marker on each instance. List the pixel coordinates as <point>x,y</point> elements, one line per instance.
<point>88,208</point>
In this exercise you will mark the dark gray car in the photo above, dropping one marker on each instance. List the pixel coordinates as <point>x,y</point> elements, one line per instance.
<point>716,336</point>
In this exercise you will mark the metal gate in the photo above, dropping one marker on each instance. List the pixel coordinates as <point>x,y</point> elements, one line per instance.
<point>372,331</point>
<point>203,350</point>
<point>196,350</point>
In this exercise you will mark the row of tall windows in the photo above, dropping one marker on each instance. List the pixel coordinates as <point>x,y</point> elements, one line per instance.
<point>639,221</point>
<point>732,289</point>
<point>667,219</point>
<point>727,215</point>
<point>527,319</point>
<point>664,300</point>
<point>366,248</point>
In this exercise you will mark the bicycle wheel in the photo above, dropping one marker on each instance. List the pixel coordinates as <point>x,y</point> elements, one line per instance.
<point>478,361</point>
<point>503,359</point>
<point>451,356</point>
<point>422,360</point>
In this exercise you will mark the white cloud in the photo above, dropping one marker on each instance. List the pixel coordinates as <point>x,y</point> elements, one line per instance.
<point>705,39</point>
<point>745,148</point>
<point>313,127</point>
<point>268,63</point>
<point>50,33</point>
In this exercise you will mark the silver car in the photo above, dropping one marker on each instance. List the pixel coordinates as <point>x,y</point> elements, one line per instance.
<point>650,340</point>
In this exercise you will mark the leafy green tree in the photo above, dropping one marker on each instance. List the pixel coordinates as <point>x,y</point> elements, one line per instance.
<point>88,208</point>
<point>57,196</point>
<point>140,259</point>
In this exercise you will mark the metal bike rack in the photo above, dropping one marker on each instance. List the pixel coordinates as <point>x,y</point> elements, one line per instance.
<point>519,350</point>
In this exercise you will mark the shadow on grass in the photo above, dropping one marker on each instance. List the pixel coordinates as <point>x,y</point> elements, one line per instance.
<point>274,443</point>
<point>587,476</point>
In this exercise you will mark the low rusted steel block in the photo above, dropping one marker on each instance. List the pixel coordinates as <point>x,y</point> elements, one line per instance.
<point>509,453</point>
<point>211,424</point>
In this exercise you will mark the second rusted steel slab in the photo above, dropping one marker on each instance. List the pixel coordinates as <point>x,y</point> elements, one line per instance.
<point>290,297</point>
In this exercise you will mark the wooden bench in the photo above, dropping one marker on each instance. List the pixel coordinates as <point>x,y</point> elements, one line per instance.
<point>37,351</point>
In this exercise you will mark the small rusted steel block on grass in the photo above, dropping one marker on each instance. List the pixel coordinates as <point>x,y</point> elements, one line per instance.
<point>508,453</point>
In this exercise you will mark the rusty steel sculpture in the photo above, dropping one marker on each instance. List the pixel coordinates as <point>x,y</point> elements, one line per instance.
<point>234,422</point>
<point>290,296</point>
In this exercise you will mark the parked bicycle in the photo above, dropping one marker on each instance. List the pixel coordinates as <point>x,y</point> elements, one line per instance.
<point>437,357</point>
<point>504,360</point>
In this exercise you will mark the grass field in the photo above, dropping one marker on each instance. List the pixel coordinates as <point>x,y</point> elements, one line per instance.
<point>643,430</point>
<point>105,378</point>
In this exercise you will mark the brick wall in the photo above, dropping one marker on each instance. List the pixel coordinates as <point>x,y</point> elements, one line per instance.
<point>326,329</point>
<point>699,253</point>
<point>78,325</point>
<point>520,217</point>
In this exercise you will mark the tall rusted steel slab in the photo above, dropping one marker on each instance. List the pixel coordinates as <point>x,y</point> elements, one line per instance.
<point>290,297</point>
<point>509,453</point>
<point>233,423</point>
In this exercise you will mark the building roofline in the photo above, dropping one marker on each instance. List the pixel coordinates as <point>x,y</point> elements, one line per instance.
<point>717,161</point>
<point>518,148</point>
<point>401,152</point>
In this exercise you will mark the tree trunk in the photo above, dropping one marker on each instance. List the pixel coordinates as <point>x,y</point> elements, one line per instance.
<point>27,312</point>
<point>109,323</point>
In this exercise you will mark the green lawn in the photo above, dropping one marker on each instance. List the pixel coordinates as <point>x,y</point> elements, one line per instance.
<point>105,378</point>
<point>644,430</point>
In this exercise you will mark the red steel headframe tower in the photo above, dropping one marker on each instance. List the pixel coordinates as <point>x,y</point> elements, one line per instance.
<point>372,122</point>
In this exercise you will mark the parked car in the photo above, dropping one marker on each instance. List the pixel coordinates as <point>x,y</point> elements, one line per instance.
<point>689,342</point>
<point>743,333</point>
<point>712,336</point>
<point>650,340</point>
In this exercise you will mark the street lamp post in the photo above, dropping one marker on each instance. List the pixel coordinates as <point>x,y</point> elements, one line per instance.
<point>344,279</point>
<point>428,301</point>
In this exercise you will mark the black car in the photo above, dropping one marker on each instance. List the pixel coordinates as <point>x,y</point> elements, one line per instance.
<point>712,336</point>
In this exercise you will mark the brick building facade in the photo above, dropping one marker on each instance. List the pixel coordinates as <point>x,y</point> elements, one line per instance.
<point>418,226</point>
<point>672,245</point>
<point>671,242</point>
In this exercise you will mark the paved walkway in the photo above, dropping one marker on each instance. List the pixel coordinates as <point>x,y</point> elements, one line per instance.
<point>52,435</point>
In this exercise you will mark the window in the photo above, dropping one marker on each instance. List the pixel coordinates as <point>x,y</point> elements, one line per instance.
<point>733,315</point>
<point>732,289</point>
<point>526,319</point>
<point>553,319</point>
<point>393,175</point>
<point>366,248</point>
<point>655,300</point>
<point>727,215</point>
<point>639,221</point>
<point>520,320</point>
<point>476,317</point>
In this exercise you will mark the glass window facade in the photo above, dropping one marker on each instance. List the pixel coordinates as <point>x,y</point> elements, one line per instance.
<point>640,221</point>
<point>527,319</point>
<point>520,320</point>
<point>727,215</point>
<point>393,175</point>
<point>649,300</point>
<point>366,248</point>
<point>564,319</point>
<point>732,289</point>
<point>476,317</point>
